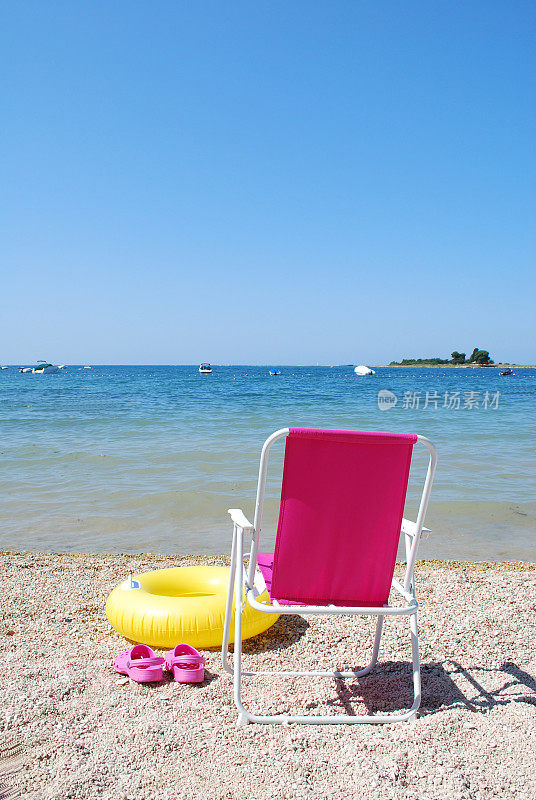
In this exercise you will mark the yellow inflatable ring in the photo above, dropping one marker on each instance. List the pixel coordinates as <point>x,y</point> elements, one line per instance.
<point>184,604</point>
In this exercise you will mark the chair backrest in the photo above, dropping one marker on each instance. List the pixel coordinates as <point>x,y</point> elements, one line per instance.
<point>342,500</point>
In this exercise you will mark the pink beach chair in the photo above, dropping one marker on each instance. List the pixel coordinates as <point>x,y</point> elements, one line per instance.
<point>340,521</point>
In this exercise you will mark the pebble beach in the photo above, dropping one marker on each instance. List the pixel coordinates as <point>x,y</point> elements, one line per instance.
<point>86,732</point>
<point>330,203</point>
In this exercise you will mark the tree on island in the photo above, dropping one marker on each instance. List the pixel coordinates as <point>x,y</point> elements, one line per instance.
<point>458,358</point>
<point>480,357</point>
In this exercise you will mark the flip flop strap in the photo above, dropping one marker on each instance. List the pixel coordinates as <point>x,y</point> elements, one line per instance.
<point>179,661</point>
<point>145,662</point>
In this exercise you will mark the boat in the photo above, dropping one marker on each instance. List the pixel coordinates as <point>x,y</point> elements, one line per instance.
<point>2,367</point>
<point>506,371</point>
<point>274,372</point>
<point>41,368</point>
<point>205,369</point>
<point>363,370</point>
<point>45,368</point>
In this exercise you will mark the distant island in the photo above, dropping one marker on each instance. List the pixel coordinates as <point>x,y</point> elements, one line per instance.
<point>478,357</point>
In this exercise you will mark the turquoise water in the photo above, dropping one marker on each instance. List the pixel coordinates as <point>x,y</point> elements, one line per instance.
<point>130,459</point>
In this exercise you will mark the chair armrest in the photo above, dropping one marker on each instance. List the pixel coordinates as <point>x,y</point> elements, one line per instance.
<point>238,517</point>
<point>408,527</point>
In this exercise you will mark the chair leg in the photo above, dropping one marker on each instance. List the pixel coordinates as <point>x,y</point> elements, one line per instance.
<point>229,610</point>
<point>375,650</point>
<point>243,714</point>
<point>416,666</point>
<point>375,647</point>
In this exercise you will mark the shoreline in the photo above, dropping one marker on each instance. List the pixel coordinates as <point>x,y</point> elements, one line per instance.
<point>456,366</point>
<point>500,365</point>
<point>87,732</point>
<point>202,558</point>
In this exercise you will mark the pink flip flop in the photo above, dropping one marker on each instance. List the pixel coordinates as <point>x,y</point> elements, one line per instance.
<point>141,664</point>
<point>187,665</point>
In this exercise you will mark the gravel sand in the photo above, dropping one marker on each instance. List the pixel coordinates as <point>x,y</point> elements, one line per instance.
<point>88,733</point>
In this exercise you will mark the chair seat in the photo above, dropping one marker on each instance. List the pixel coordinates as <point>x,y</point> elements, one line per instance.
<point>265,563</point>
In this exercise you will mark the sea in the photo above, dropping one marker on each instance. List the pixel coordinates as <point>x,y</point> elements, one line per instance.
<point>131,459</point>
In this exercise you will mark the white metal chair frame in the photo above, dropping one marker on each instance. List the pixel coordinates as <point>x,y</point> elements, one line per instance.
<point>242,580</point>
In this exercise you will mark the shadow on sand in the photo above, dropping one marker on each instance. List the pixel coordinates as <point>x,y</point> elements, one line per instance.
<point>389,687</point>
<point>284,633</point>
<point>445,686</point>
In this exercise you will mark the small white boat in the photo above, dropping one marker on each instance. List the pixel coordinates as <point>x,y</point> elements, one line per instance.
<point>363,370</point>
<point>87,367</point>
<point>2,367</point>
<point>41,368</point>
<point>205,369</point>
<point>44,368</point>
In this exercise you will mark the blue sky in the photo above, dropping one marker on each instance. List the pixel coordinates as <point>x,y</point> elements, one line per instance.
<point>267,182</point>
